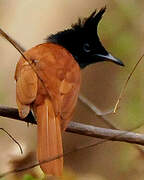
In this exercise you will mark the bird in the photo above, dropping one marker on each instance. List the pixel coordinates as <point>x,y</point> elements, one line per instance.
<point>48,83</point>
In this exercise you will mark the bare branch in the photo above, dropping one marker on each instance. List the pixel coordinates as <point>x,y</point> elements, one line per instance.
<point>10,112</point>
<point>104,133</point>
<point>83,129</point>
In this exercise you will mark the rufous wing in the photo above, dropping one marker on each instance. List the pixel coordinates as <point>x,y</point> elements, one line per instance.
<point>26,89</point>
<point>69,90</point>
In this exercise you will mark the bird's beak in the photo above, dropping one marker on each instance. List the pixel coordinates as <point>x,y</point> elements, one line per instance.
<point>111,58</point>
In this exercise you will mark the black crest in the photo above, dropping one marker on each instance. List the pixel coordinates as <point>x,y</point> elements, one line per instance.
<point>82,40</point>
<point>91,22</point>
<point>83,26</point>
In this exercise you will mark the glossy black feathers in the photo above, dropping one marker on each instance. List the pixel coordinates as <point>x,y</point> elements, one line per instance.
<point>82,40</point>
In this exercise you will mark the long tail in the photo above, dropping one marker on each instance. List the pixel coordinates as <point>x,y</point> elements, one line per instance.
<point>49,139</point>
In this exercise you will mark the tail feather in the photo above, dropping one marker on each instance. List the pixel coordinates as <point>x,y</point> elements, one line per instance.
<point>49,139</point>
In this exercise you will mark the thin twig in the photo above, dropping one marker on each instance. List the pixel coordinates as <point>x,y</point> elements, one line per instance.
<point>13,42</point>
<point>21,51</point>
<point>13,139</point>
<point>97,111</point>
<point>45,161</point>
<point>51,159</point>
<point>126,83</point>
<point>93,107</point>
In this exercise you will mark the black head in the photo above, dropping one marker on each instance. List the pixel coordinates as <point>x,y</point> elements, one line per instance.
<point>82,41</point>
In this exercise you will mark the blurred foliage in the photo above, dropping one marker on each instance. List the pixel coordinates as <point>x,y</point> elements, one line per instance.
<point>125,36</point>
<point>2,179</point>
<point>123,32</point>
<point>29,177</point>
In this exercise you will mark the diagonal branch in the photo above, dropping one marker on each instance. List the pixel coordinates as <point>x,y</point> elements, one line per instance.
<point>97,111</point>
<point>82,129</point>
<point>100,114</point>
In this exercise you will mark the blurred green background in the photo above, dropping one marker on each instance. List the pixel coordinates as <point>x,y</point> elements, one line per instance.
<point>121,31</point>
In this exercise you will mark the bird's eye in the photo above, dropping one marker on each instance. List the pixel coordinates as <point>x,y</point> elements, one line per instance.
<point>86,47</point>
